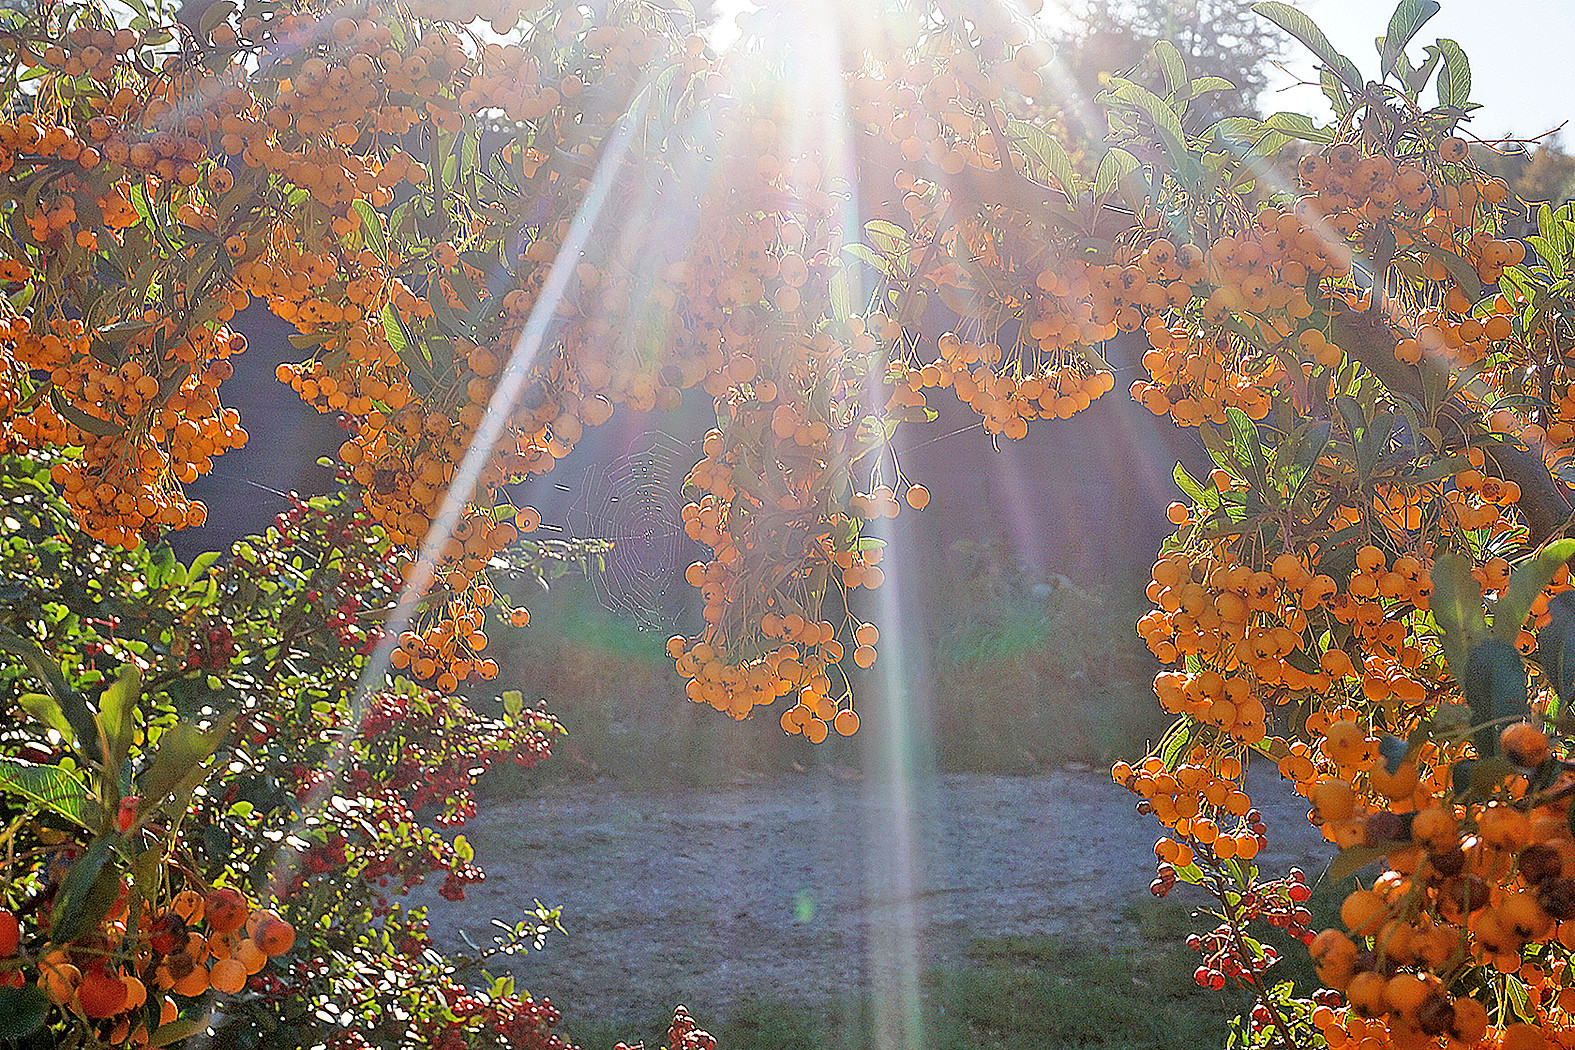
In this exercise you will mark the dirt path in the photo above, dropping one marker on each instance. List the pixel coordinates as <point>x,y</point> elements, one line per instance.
<point>801,887</point>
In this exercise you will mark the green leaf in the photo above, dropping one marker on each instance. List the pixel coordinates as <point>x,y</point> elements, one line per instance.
<point>887,237</point>
<point>1353,859</point>
<point>1410,16</point>
<point>1159,112</point>
<point>1335,92</point>
<point>1456,604</point>
<point>1044,146</point>
<point>178,1029</point>
<point>22,1011</point>
<point>200,565</point>
<point>117,707</point>
<point>1116,165</point>
<point>44,709</point>
<point>63,707</point>
<point>1556,645</point>
<point>394,330</point>
<point>1207,85</point>
<point>1454,79</point>
<point>841,295</point>
<point>1463,273</point>
<point>1525,583</point>
<point>1177,740</point>
<point>213,14</point>
<point>1494,684</point>
<point>1306,30</point>
<point>56,789</point>
<point>179,765</point>
<point>866,255</point>
<point>513,702</point>
<point>371,228</point>
<point>1300,126</point>
<point>1175,69</point>
<point>86,893</point>
<point>1194,491</point>
<point>1417,79</point>
<point>1244,440</point>
<point>74,415</point>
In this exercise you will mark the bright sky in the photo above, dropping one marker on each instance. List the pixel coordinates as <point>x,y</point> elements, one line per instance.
<point>1522,56</point>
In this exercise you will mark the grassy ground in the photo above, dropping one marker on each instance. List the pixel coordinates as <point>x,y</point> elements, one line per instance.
<point>1019,993</point>
<point>1000,675</point>
<point>1010,993</point>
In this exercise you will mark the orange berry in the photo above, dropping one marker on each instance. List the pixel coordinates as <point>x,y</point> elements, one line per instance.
<point>193,984</point>
<point>228,976</point>
<point>101,994</point>
<point>273,935</point>
<point>1525,744</point>
<point>226,909</point>
<point>918,497</point>
<point>188,905</point>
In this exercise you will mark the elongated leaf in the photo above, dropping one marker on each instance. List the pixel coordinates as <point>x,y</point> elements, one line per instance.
<point>1525,583</point>
<point>372,228</point>
<point>1462,272</point>
<point>1306,30</point>
<point>1410,16</point>
<point>63,705</point>
<point>865,254</point>
<point>22,1011</point>
<point>1457,607</point>
<point>1417,79</point>
<point>200,565</point>
<point>887,237</point>
<point>1494,684</point>
<point>1454,79</point>
<point>1047,149</point>
<point>1556,645</point>
<point>180,763</point>
<point>43,708</point>
<point>1353,859</point>
<point>1178,738</point>
<point>87,892</point>
<point>1194,491</point>
<point>1116,165</point>
<point>75,416</point>
<point>1165,121</point>
<point>116,714</point>
<point>213,14</point>
<point>1244,438</point>
<point>1339,97</point>
<point>1206,85</point>
<point>177,1030</point>
<point>1175,69</point>
<point>1299,125</point>
<point>56,789</point>
<point>394,331</point>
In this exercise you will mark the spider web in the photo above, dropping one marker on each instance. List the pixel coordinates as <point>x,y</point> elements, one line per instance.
<point>635,500</point>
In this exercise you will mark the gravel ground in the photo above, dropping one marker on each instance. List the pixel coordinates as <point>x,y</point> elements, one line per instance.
<point>808,887</point>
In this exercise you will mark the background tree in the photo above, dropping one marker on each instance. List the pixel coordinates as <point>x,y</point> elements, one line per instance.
<point>1222,38</point>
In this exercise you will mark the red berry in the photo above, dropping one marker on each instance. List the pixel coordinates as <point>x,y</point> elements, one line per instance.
<point>10,933</point>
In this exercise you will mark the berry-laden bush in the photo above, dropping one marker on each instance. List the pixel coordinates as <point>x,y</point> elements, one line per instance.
<point>489,242</point>
<point>212,811</point>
